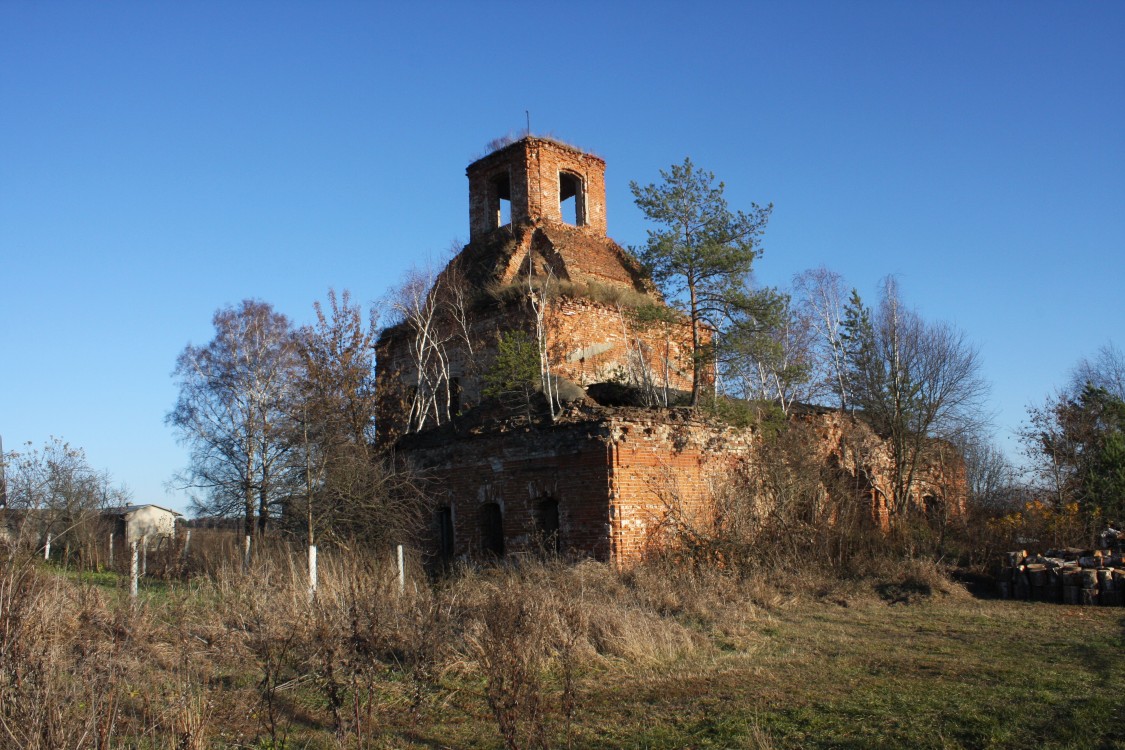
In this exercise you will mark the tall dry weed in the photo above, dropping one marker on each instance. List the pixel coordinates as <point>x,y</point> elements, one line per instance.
<point>63,656</point>
<point>223,655</point>
<point>261,611</point>
<point>368,636</point>
<point>532,631</point>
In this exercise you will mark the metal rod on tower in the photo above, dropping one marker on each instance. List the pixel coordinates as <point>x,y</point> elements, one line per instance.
<point>528,113</point>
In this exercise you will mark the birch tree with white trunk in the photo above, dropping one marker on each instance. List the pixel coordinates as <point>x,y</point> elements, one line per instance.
<point>232,414</point>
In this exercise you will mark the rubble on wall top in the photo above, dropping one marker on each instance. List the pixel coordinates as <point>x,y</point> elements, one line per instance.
<point>503,144</point>
<point>491,420</point>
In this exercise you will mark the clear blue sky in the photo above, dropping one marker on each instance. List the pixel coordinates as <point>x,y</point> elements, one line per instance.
<point>160,160</point>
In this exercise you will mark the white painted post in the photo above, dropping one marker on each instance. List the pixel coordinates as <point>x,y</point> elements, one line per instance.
<point>187,543</point>
<point>246,556</point>
<point>47,547</point>
<point>111,549</point>
<point>401,572</point>
<point>133,573</point>
<point>312,572</point>
<point>144,555</point>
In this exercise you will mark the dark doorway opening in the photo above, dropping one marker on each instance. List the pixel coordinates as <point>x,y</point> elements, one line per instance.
<point>549,525</point>
<point>445,533</point>
<point>492,530</point>
<point>934,506</point>
<point>454,396</point>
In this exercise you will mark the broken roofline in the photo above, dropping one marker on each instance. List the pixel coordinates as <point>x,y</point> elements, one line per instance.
<point>530,139</point>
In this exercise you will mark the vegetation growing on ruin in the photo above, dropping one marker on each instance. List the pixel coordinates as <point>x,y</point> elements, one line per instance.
<point>501,142</point>
<point>605,294</point>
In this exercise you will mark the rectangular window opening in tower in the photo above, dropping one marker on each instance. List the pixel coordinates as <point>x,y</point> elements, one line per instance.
<point>502,199</point>
<point>572,199</point>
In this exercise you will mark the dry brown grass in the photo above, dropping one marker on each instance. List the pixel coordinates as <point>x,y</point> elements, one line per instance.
<point>535,654</point>
<point>211,654</point>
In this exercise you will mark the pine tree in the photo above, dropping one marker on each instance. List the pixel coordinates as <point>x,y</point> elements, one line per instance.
<point>702,257</point>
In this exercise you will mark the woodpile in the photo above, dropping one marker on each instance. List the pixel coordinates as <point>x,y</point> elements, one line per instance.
<point>1066,576</point>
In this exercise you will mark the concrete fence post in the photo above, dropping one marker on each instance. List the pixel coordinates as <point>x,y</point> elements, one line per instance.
<point>133,570</point>
<point>312,572</point>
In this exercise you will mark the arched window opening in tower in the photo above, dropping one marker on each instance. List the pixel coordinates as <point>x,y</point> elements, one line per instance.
<point>572,199</point>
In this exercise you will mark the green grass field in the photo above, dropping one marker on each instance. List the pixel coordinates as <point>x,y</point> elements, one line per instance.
<point>698,661</point>
<point>948,673</point>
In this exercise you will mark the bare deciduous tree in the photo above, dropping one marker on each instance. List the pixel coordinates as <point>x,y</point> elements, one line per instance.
<point>1076,444</point>
<point>434,309</point>
<point>457,299</point>
<point>232,413</point>
<point>347,490</point>
<point>648,371</point>
<point>1106,370</point>
<point>819,295</point>
<point>914,382</point>
<point>771,361</point>
<point>333,410</point>
<point>540,298</point>
<point>416,303</point>
<point>989,473</point>
<point>60,494</point>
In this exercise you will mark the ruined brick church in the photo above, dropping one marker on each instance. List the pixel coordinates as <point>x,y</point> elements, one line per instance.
<point>602,464</point>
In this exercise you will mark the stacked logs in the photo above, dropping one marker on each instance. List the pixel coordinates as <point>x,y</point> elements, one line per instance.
<point>1066,576</point>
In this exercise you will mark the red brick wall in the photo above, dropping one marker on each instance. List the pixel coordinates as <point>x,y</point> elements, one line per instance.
<point>533,166</point>
<point>847,441</point>
<point>621,481</point>
<point>590,342</point>
<point>625,479</point>
<point>666,469</point>
<point>517,470</point>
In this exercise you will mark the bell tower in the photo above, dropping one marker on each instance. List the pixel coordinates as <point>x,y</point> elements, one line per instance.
<point>537,180</point>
